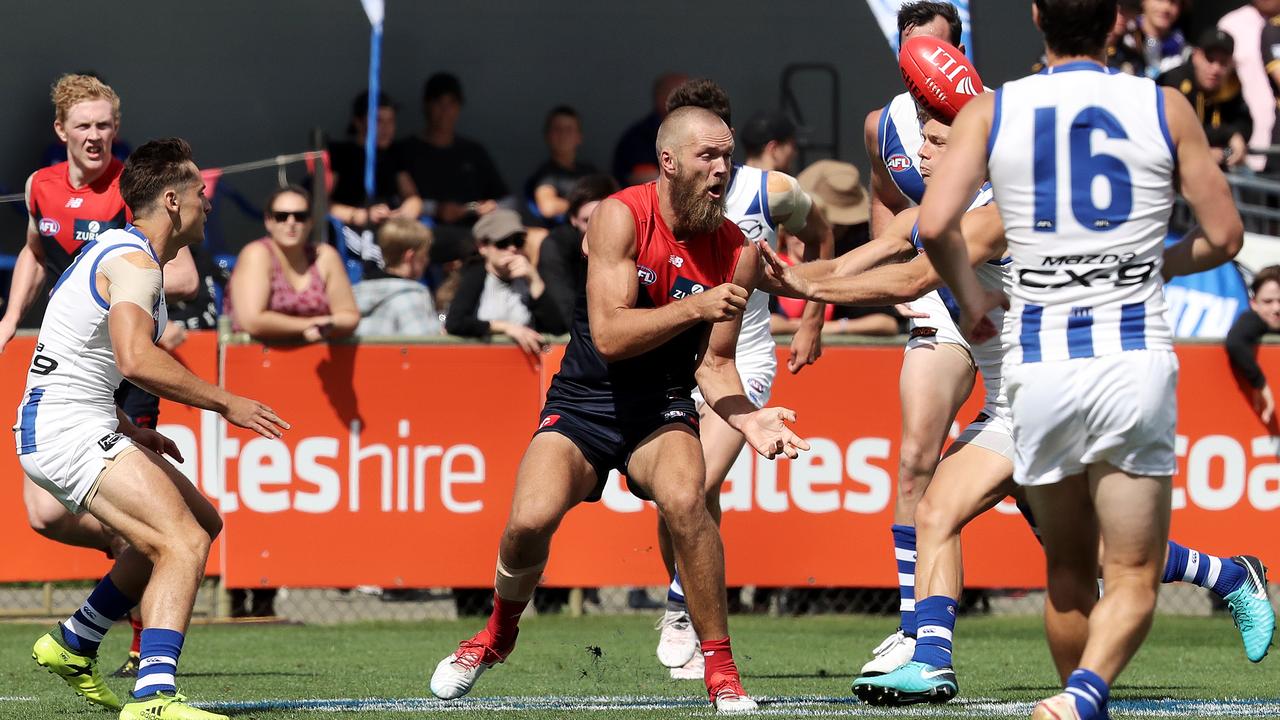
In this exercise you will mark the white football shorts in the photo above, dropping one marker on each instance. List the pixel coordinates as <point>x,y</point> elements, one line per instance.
<point>69,465</point>
<point>1119,408</point>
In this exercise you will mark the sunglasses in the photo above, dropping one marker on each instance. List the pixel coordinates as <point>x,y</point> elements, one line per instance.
<point>513,241</point>
<point>298,215</point>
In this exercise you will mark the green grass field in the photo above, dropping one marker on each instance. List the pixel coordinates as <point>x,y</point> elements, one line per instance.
<point>604,666</point>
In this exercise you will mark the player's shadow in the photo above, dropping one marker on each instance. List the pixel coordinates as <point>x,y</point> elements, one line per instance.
<point>336,377</point>
<point>815,675</point>
<point>1140,689</point>
<point>252,674</point>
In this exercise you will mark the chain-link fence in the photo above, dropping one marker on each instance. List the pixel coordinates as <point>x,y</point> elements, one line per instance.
<point>38,602</point>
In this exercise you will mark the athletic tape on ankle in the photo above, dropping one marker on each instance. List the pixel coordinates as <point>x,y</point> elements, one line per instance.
<point>517,585</point>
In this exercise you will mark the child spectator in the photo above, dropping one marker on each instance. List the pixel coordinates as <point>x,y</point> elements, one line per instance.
<point>393,300</point>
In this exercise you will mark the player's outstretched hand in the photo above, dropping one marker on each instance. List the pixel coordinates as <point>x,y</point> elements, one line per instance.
<point>778,277</point>
<point>720,303</point>
<point>7,332</point>
<point>253,415</point>
<point>766,430</point>
<point>156,443</point>
<point>975,324</point>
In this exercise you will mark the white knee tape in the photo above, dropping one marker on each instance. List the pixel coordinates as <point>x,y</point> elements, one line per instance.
<point>517,585</point>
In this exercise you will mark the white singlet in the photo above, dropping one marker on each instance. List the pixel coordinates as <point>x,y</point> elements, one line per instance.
<point>1082,165</point>
<point>747,204</point>
<point>66,425</point>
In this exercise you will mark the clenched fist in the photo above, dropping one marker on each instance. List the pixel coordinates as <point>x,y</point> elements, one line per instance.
<point>720,303</point>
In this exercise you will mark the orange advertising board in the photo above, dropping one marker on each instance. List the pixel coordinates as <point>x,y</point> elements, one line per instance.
<point>28,556</point>
<point>399,469</point>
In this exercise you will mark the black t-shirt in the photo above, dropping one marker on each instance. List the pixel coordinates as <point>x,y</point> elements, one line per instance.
<point>346,159</point>
<point>462,172</point>
<point>558,176</point>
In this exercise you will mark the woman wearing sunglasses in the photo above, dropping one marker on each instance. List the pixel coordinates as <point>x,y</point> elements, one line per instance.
<point>286,287</point>
<point>501,290</point>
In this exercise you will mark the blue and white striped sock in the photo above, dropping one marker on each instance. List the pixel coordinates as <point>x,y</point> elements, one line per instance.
<point>158,662</point>
<point>675,594</point>
<point>83,631</point>
<point>904,551</point>
<point>1090,693</point>
<point>1220,575</point>
<point>936,621</point>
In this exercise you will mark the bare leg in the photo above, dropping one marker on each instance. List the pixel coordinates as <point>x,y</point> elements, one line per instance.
<point>48,517</point>
<point>1069,530</point>
<point>933,383</point>
<point>553,477</point>
<point>169,525</point>
<point>969,481</point>
<point>1133,513</point>
<point>720,447</point>
<point>668,465</point>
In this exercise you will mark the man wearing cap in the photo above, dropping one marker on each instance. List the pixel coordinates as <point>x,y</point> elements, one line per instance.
<point>500,291</point>
<point>1210,84</point>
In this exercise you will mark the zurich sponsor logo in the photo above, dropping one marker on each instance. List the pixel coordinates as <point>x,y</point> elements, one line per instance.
<point>898,163</point>
<point>49,227</point>
<point>94,226</point>
<point>647,275</point>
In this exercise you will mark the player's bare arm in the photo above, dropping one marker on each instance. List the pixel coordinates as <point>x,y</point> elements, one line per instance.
<point>1202,183</point>
<point>128,282</point>
<point>181,279</point>
<point>796,212</point>
<point>717,375</point>
<point>892,246</point>
<point>619,328</point>
<point>886,200</point>
<point>959,175</point>
<point>903,282</point>
<point>28,277</point>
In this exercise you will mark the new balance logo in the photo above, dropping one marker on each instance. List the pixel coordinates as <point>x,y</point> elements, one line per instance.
<point>74,202</point>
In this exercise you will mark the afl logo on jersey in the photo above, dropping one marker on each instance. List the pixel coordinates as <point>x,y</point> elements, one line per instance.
<point>752,228</point>
<point>898,163</point>
<point>647,275</point>
<point>49,227</point>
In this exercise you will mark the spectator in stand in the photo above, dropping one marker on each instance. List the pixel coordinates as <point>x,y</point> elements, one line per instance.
<point>501,291</point>
<point>1209,83</point>
<point>836,188</point>
<point>285,287</point>
<point>561,263</point>
<point>393,300</point>
<point>1121,56</point>
<point>394,194</point>
<point>550,185</point>
<point>1245,25</point>
<point>633,157</point>
<point>1270,47</point>
<point>1155,37</point>
<point>455,176</point>
<point>769,140</point>
<point>1262,317</point>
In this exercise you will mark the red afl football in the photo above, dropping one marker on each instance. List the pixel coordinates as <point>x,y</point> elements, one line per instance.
<point>938,76</point>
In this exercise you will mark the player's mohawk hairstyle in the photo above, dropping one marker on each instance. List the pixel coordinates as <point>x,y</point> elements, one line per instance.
<point>704,93</point>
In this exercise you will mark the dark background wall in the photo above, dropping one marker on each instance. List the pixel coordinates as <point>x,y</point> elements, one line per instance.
<point>247,79</point>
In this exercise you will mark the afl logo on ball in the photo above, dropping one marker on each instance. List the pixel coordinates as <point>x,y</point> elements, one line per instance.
<point>898,163</point>
<point>49,227</point>
<point>647,275</point>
